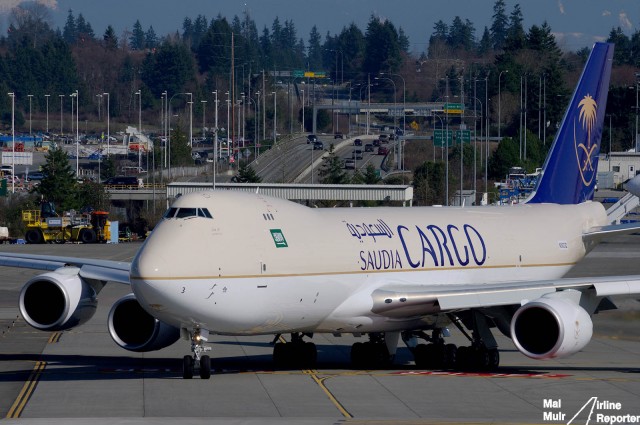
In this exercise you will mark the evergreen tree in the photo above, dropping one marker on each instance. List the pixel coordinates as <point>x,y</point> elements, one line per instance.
<point>350,44</point>
<point>150,39</point>
<point>179,148</point>
<point>136,41</point>
<point>499,26</point>
<point>246,174</point>
<point>109,38</point>
<point>58,185</point>
<point>84,32</point>
<point>332,169</point>
<point>70,31</point>
<point>314,52</point>
<point>428,184</point>
<point>621,54</point>
<point>382,49</point>
<point>169,68</point>
<point>403,39</point>
<point>516,37</point>
<point>485,44</point>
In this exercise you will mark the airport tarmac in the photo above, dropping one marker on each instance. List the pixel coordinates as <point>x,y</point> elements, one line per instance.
<point>81,376</point>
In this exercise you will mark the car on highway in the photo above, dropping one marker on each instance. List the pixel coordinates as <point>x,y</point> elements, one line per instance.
<point>357,142</point>
<point>383,138</point>
<point>350,164</point>
<point>356,154</point>
<point>318,146</point>
<point>376,143</point>
<point>129,182</point>
<point>312,138</point>
<point>368,147</point>
<point>383,150</point>
<point>338,135</point>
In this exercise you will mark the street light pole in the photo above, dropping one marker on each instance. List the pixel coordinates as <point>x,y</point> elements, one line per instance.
<point>404,116</point>
<point>30,96</point>
<point>46,96</point>
<point>139,94</point>
<point>190,120</point>
<point>215,139</point>
<point>302,126</point>
<point>61,96</point>
<point>13,141</point>
<point>108,119</point>
<point>500,103</point>
<point>204,107</point>
<point>275,113</point>
<point>637,83</point>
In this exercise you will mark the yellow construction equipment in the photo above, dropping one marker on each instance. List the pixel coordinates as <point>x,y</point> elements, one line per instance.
<point>45,225</point>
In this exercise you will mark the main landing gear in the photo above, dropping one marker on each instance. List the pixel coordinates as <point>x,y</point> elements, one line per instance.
<point>482,354</point>
<point>198,362</point>
<point>373,354</point>
<point>297,354</point>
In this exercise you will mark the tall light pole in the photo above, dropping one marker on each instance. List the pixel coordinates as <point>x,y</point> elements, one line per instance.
<point>72,95</point>
<point>46,96</point>
<point>13,141</point>
<point>108,122</point>
<point>215,139</point>
<point>275,113</point>
<point>404,115</point>
<point>139,94</point>
<point>302,126</point>
<point>637,83</point>
<point>190,120</point>
<point>61,96</point>
<point>30,96</point>
<point>395,107</point>
<point>204,107</point>
<point>500,103</point>
<point>228,128</point>
<point>486,131</point>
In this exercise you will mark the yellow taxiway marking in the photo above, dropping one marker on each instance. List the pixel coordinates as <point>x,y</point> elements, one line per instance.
<point>55,337</point>
<point>26,392</point>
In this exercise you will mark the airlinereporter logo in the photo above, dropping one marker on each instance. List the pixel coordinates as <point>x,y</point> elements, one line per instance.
<point>594,411</point>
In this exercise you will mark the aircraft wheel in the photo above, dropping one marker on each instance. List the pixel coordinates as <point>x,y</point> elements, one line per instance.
<point>494,358</point>
<point>205,367</point>
<point>463,358</point>
<point>358,355</point>
<point>309,355</point>
<point>187,367</point>
<point>280,355</point>
<point>450,356</point>
<point>481,358</point>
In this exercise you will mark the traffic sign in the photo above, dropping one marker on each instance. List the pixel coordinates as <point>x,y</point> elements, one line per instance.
<point>453,108</point>
<point>438,138</point>
<point>464,135</point>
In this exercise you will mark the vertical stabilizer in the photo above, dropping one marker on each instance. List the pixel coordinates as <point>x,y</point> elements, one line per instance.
<point>569,173</point>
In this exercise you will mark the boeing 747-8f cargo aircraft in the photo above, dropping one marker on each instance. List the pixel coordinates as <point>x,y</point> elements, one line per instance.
<point>232,263</point>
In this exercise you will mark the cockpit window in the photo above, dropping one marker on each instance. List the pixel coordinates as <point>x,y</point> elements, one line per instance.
<point>170,212</point>
<point>203,212</point>
<point>187,213</point>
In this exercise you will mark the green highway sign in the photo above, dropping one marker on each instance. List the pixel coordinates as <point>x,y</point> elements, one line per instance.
<point>464,135</point>
<point>438,138</point>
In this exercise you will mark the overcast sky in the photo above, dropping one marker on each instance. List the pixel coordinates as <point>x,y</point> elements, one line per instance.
<point>576,23</point>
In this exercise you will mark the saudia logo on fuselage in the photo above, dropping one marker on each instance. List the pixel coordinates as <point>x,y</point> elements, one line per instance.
<point>420,246</point>
<point>585,150</point>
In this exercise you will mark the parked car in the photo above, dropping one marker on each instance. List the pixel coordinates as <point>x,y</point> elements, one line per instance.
<point>368,147</point>
<point>312,138</point>
<point>383,150</point>
<point>318,146</point>
<point>122,181</point>
<point>357,142</point>
<point>36,175</point>
<point>350,164</point>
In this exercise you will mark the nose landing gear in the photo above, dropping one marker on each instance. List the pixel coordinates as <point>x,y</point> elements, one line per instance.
<point>198,362</point>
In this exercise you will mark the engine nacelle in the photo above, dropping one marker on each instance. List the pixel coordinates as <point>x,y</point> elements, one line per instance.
<point>551,326</point>
<point>57,300</point>
<point>133,329</point>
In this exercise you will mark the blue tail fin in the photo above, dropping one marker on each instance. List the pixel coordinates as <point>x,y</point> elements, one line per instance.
<point>569,173</point>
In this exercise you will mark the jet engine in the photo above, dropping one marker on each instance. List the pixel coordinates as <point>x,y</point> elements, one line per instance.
<point>133,329</point>
<point>551,326</point>
<point>57,300</point>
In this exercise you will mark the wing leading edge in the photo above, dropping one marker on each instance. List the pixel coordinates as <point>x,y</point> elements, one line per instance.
<point>103,270</point>
<point>414,300</point>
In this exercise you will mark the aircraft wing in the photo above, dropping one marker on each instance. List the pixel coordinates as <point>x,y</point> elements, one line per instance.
<point>104,270</point>
<point>414,300</point>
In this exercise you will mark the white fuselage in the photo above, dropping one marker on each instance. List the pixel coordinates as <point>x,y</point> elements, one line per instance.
<point>261,265</point>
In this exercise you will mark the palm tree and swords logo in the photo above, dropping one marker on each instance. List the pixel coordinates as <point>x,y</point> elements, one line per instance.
<point>586,153</point>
